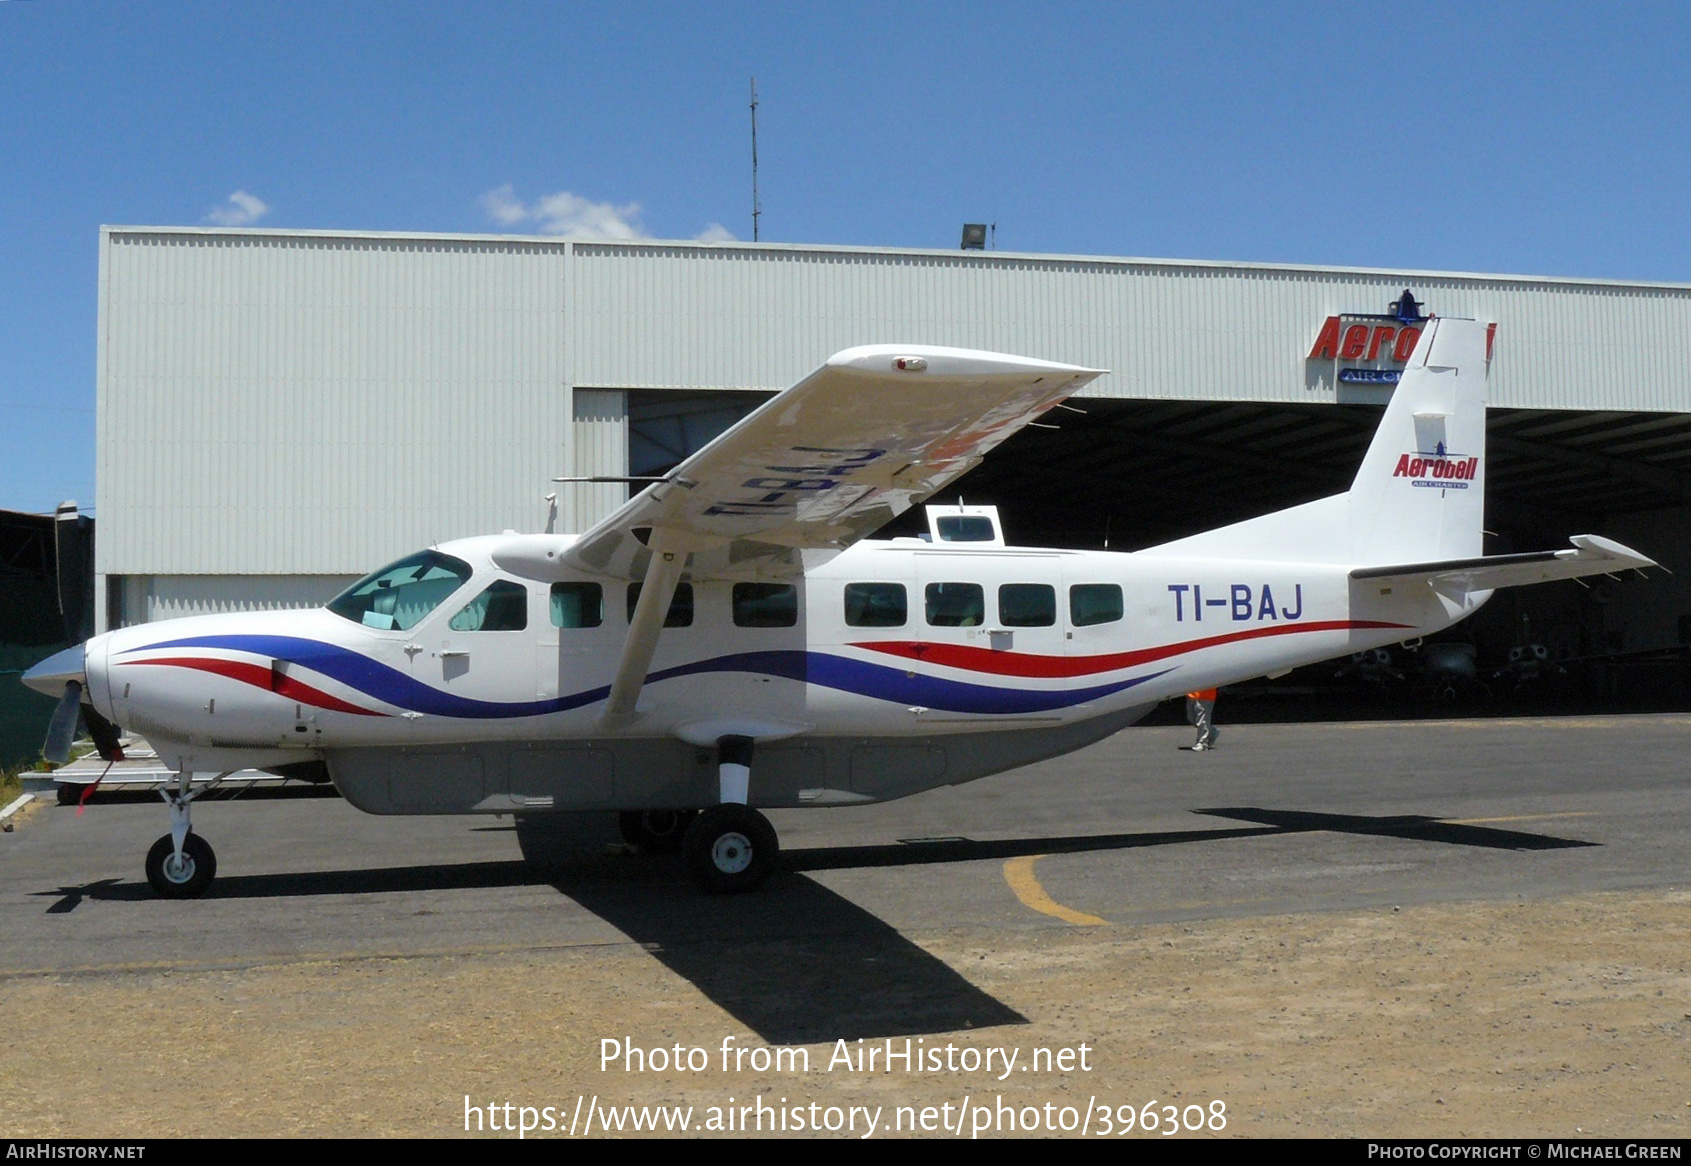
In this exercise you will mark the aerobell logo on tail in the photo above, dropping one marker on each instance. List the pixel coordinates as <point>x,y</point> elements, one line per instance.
<point>1371,342</point>
<point>1438,469</point>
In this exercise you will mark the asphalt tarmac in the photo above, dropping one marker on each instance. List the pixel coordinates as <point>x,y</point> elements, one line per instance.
<point>1280,819</point>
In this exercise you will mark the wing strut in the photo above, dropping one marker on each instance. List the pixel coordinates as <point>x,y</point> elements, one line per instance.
<point>663,573</point>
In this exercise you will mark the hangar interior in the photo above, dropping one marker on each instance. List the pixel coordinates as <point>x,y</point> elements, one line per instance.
<point>1140,473</point>
<point>1127,474</point>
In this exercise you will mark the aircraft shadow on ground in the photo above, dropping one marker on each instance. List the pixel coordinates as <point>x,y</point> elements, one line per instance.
<point>797,963</point>
<point>1414,827</point>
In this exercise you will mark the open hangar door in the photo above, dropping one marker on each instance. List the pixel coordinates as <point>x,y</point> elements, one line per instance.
<point>1133,473</point>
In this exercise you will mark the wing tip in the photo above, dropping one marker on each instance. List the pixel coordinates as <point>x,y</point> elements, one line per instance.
<point>1610,549</point>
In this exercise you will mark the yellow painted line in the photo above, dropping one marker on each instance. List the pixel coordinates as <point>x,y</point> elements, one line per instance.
<point>1018,872</point>
<point>1517,818</point>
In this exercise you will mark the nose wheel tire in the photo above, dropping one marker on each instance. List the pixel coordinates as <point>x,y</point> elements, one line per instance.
<point>655,831</point>
<point>184,879</point>
<point>730,849</point>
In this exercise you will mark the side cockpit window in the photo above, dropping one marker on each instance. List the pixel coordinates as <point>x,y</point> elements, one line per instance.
<point>398,597</point>
<point>502,607</point>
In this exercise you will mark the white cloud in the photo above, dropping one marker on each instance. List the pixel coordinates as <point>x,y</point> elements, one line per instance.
<point>238,210</point>
<point>502,206</point>
<point>564,213</point>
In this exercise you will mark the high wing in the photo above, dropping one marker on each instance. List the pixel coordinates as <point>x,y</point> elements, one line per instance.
<point>1590,555</point>
<point>853,445</point>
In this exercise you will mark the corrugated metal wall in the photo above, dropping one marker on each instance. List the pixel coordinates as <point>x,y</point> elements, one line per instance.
<point>601,448</point>
<point>155,597</point>
<point>295,405</point>
<point>743,317</point>
<point>290,403</point>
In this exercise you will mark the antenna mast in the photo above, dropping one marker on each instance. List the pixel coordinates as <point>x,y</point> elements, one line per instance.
<point>757,209</point>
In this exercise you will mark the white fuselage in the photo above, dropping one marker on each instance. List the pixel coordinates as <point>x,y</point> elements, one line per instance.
<point>988,639</point>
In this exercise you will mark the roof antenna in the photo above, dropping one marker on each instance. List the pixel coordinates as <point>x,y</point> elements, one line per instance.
<point>757,208</point>
<point>1107,518</point>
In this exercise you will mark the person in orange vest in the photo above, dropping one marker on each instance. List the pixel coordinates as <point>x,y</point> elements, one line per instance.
<point>1200,711</point>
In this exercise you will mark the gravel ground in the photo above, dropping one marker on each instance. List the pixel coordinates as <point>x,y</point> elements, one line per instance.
<point>1555,1017</point>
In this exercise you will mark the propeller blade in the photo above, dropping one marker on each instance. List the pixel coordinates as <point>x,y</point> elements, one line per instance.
<point>61,730</point>
<point>105,734</point>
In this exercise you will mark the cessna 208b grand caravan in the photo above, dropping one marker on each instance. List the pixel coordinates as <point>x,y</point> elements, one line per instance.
<point>729,639</point>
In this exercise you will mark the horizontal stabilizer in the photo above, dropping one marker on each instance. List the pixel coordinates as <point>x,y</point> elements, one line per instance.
<point>1589,555</point>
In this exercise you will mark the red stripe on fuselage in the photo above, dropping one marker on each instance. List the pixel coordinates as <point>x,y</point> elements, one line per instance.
<point>1060,667</point>
<point>259,676</point>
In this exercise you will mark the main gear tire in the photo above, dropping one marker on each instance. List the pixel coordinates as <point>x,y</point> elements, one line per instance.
<point>730,849</point>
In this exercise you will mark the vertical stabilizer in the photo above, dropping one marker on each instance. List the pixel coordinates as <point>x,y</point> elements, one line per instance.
<point>1420,493</point>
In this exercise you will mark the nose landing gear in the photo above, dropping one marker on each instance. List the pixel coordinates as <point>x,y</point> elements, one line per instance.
<point>181,864</point>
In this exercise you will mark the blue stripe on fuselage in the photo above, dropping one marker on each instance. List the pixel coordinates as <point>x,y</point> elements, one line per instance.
<point>878,681</point>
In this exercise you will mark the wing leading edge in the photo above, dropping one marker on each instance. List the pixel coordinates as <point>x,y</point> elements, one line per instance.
<point>853,445</point>
<point>865,437</point>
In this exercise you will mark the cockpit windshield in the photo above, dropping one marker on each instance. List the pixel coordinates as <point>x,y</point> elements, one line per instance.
<point>399,596</point>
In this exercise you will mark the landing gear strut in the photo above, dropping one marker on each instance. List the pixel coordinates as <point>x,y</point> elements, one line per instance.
<point>731,848</point>
<point>181,865</point>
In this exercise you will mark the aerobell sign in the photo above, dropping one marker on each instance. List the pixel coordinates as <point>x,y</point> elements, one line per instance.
<point>1366,345</point>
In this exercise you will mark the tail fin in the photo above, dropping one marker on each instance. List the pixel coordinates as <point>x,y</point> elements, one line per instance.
<point>1420,493</point>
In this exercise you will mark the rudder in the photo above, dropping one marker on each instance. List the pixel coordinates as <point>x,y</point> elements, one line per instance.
<point>1420,491</point>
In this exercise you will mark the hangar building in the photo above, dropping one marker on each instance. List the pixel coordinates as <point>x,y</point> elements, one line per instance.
<point>282,411</point>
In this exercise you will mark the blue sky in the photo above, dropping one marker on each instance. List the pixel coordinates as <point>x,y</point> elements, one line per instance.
<point>1523,138</point>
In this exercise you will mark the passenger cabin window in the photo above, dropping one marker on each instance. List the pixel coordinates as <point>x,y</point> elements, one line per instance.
<point>876,605</point>
<point>680,614</point>
<point>959,528</point>
<point>398,597</point>
<point>1094,603</point>
<point>577,605</point>
<point>765,605</point>
<point>1027,605</point>
<point>956,605</point>
<point>503,607</point>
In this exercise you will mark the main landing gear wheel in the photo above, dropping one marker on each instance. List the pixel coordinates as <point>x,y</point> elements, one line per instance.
<point>655,831</point>
<point>730,849</point>
<point>187,879</point>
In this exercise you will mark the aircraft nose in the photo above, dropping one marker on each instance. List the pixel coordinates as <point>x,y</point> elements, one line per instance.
<point>52,674</point>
